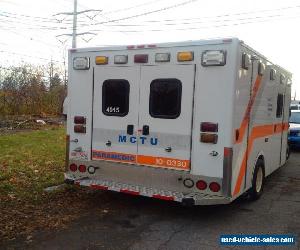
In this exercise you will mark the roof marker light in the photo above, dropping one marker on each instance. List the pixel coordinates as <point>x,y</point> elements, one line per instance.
<point>141,46</point>
<point>141,58</point>
<point>162,57</point>
<point>152,46</point>
<point>282,78</point>
<point>121,59</point>
<point>246,61</point>
<point>100,60</point>
<point>213,58</point>
<point>185,56</point>
<point>81,63</point>
<point>261,68</point>
<point>130,47</point>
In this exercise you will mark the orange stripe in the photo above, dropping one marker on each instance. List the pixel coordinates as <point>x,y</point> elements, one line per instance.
<point>257,132</point>
<point>163,162</point>
<point>113,156</point>
<point>142,159</point>
<point>245,121</point>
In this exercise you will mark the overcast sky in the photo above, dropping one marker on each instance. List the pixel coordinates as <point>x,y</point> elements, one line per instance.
<point>28,28</point>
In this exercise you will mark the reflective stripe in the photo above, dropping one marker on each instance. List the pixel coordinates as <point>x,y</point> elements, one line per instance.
<point>245,121</point>
<point>163,162</point>
<point>257,132</point>
<point>113,156</point>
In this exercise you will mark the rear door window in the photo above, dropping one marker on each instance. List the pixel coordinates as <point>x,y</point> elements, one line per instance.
<point>165,98</point>
<point>115,97</point>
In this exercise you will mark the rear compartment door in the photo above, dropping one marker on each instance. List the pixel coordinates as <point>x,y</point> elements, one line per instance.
<point>115,113</point>
<point>165,116</point>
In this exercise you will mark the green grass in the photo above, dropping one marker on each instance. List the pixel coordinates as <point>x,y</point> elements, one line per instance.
<point>31,161</point>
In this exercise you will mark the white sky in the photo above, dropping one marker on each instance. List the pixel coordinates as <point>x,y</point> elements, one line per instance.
<point>270,27</point>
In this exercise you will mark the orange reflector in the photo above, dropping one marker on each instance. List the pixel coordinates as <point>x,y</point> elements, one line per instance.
<point>185,56</point>
<point>101,60</point>
<point>209,138</point>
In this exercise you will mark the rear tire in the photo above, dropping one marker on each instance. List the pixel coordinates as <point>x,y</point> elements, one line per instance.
<point>258,181</point>
<point>288,152</point>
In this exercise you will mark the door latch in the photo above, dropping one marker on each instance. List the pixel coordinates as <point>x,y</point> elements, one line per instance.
<point>108,143</point>
<point>130,128</point>
<point>214,153</point>
<point>145,130</point>
<point>168,149</point>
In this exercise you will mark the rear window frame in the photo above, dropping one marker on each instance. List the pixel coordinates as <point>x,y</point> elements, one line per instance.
<point>107,81</point>
<point>179,99</point>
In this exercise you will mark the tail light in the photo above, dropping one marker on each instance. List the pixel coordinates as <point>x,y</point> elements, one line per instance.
<point>201,185</point>
<point>214,187</point>
<point>141,58</point>
<point>82,168</point>
<point>73,167</point>
<point>209,138</point>
<point>79,129</point>
<point>209,127</point>
<point>79,120</point>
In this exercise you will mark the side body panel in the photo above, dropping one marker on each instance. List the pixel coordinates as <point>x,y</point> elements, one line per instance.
<point>213,102</point>
<point>265,131</point>
<point>80,92</point>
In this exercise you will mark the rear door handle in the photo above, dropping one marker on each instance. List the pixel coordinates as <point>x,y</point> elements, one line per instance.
<point>130,129</point>
<point>145,130</point>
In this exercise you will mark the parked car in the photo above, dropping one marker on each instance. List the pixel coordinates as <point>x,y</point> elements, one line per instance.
<point>294,132</point>
<point>295,107</point>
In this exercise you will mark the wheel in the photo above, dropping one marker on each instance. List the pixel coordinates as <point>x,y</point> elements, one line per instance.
<point>288,151</point>
<point>257,181</point>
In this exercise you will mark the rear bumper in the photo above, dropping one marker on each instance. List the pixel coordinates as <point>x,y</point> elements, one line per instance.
<point>146,181</point>
<point>189,199</point>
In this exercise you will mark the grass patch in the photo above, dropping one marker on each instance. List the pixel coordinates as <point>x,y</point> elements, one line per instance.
<point>29,162</point>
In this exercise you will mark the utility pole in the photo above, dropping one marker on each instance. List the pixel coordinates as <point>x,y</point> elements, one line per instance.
<point>75,13</point>
<point>74,25</point>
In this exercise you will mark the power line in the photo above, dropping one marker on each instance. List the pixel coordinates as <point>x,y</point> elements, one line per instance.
<point>197,18</point>
<point>225,15</point>
<point>199,27</point>
<point>143,14</point>
<point>191,23</point>
<point>36,57</point>
<point>131,7</point>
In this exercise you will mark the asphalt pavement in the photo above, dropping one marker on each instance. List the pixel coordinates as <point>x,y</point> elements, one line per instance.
<point>119,221</point>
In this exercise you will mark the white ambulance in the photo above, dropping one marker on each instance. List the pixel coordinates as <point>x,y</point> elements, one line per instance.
<point>198,122</point>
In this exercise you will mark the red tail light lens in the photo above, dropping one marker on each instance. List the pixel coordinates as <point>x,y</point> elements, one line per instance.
<point>73,167</point>
<point>209,127</point>
<point>141,58</point>
<point>79,119</point>
<point>214,186</point>
<point>201,185</point>
<point>79,129</point>
<point>82,168</point>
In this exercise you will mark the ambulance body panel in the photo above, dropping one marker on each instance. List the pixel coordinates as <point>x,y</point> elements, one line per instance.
<point>178,121</point>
